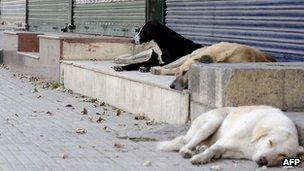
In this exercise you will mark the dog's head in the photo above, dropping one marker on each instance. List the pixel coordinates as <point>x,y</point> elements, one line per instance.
<point>180,82</point>
<point>272,146</point>
<point>147,32</point>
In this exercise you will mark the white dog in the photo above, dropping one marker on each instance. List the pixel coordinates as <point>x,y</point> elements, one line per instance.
<point>259,133</point>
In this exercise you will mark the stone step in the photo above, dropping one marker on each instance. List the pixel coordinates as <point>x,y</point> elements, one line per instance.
<point>55,46</point>
<point>132,91</point>
<point>88,47</point>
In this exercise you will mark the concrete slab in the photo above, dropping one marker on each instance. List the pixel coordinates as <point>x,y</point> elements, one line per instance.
<point>33,139</point>
<point>276,84</point>
<point>132,91</point>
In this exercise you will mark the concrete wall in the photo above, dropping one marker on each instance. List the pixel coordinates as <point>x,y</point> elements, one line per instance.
<point>50,53</point>
<point>275,84</point>
<point>26,53</point>
<point>129,94</point>
<point>97,48</point>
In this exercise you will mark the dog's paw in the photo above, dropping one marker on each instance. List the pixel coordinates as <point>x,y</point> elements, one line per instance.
<point>156,70</point>
<point>143,69</point>
<point>118,68</point>
<point>198,160</point>
<point>200,149</point>
<point>186,153</point>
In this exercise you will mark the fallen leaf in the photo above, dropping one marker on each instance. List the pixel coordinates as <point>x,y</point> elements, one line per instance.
<point>140,116</point>
<point>118,145</point>
<point>49,113</point>
<point>100,119</point>
<point>98,104</point>
<point>147,163</point>
<point>84,111</point>
<point>118,112</point>
<point>68,105</point>
<point>80,131</point>
<point>64,156</point>
<point>34,90</point>
<point>69,91</point>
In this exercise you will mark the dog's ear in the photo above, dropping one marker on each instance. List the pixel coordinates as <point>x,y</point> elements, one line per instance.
<point>301,150</point>
<point>259,133</point>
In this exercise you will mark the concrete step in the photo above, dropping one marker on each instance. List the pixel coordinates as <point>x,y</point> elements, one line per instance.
<point>133,91</point>
<point>298,118</point>
<point>88,47</point>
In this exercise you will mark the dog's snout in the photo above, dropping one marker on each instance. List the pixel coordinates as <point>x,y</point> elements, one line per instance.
<point>262,162</point>
<point>133,41</point>
<point>172,86</point>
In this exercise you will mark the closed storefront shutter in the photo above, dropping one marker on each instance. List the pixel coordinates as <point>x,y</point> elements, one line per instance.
<point>275,26</point>
<point>48,15</point>
<point>109,17</point>
<point>13,13</point>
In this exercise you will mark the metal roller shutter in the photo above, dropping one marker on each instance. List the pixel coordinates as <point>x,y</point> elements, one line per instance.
<point>275,26</point>
<point>109,17</point>
<point>13,13</point>
<point>48,15</point>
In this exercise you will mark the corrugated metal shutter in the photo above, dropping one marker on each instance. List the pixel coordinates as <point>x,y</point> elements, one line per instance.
<point>109,17</point>
<point>13,13</point>
<point>275,26</point>
<point>48,15</point>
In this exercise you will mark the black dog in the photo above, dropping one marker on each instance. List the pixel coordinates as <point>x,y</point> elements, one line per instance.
<point>172,45</point>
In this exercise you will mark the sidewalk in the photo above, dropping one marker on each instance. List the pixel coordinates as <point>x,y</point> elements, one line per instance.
<point>38,132</point>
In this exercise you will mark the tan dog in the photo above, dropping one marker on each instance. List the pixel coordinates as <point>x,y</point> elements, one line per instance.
<point>220,52</point>
<point>259,133</point>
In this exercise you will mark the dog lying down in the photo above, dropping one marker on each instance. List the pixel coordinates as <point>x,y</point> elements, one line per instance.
<point>259,133</point>
<point>221,52</point>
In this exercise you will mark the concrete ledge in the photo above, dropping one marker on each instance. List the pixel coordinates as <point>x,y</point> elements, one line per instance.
<point>22,57</point>
<point>275,84</point>
<point>131,91</point>
<point>34,55</point>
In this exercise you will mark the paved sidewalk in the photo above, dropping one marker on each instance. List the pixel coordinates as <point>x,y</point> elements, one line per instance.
<point>38,132</point>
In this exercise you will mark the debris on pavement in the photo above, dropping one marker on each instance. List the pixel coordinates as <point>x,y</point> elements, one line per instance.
<point>89,99</point>
<point>118,145</point>
<point>84,111</point>
<point>64,156</point>
<point>68,105</point>
<point>39,96</point>
<point>118,112</point>
<point>49,113</point>
<point>147,163</point>
<point>140,116</point>
<point>80,131</point>
<point>98,104</point>
<point>69,91</point>
<point>100,119</point>
<point>34,90</point>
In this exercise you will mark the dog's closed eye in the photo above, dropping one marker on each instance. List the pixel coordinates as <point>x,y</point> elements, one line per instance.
<point>282,155</point>
<point>270,143</point>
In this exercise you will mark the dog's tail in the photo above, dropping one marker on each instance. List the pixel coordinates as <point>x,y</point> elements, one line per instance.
<point>173,145</point>
<point>270,59</point>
